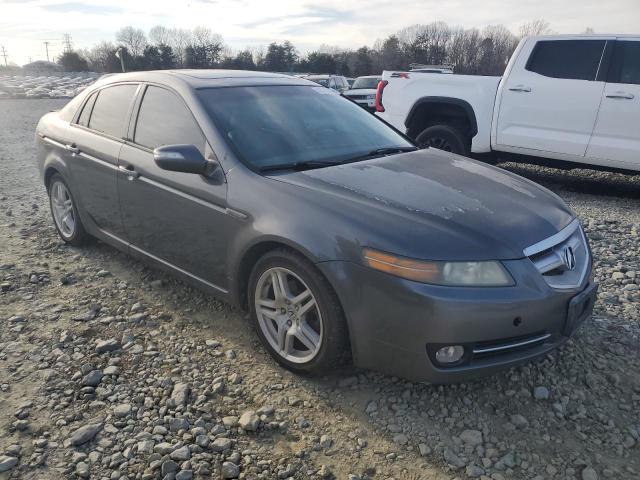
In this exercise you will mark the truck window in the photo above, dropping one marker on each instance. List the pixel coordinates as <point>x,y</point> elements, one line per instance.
<point>625,64</point>
<point>568,59</point>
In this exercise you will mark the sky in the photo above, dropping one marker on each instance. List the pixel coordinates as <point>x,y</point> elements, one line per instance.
<point>26,24</point>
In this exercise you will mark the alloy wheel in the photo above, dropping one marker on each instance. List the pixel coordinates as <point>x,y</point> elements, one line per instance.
<point>62,208</point>
<point>288,315</point>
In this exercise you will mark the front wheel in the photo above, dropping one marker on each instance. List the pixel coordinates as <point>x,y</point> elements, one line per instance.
<point>65,212</point>
<point>297,314</point>
<point>443,137</point>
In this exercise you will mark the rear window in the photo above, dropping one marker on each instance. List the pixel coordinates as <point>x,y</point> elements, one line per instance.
<point>625,65</point>
<point>111,109</point>
<point>370,83</point>
<point>568,59</point>
<point>86,111</point>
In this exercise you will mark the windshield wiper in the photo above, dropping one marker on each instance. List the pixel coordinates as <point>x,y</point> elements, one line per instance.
<point>306,165</point>
<point>379,152</point>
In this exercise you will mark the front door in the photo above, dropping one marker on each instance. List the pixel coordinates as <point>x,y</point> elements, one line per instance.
<point>176,218</point>
<point>550,98</point>
<point>616,136</point>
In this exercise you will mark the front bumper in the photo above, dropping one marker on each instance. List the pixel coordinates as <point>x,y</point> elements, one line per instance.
<point>396,325</point>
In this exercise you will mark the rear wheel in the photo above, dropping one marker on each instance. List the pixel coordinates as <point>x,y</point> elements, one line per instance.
<point>443,137</point>
<point>65,212</point>
<point>296,313</point>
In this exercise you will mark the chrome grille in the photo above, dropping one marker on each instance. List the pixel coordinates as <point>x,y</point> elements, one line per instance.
<point>562,259</point>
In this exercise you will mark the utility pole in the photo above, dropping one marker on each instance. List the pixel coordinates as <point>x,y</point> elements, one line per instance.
<point>4,54</point>
<point>46,46</point>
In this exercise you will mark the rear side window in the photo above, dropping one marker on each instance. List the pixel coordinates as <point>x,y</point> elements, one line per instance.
<point>569,59</point>
<point>625,65</point>
<point>83,119</point>
<point>165,120</point>
<point>111,109</point>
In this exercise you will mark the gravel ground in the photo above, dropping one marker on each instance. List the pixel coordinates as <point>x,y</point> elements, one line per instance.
<point>109,369</point>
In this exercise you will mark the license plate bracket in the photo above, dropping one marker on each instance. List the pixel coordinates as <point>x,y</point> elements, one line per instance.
<point>580,309</point>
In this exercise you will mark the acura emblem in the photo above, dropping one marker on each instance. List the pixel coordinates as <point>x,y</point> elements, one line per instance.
<point>569,258</point>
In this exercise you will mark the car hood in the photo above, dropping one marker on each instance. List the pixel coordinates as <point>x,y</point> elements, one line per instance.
<point>360,91</point>
<point>435,205</point>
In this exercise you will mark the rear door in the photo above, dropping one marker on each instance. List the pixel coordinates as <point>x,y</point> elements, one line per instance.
<point>178,218</point>
<point>616,136</point>
<point>551,97</point>
<point>98,134</point>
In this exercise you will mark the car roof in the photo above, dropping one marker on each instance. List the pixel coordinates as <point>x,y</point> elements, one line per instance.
<point>370,76</point>
<point>211,78</point>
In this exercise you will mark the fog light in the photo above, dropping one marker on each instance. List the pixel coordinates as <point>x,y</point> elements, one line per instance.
<point>450,354</point>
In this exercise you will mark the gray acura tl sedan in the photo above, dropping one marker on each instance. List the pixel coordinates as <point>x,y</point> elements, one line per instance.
<point>340,237</point>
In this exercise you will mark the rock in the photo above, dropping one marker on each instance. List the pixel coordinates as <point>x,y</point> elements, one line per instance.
<point>519,421</point>
<point>221,444</point>
<point>168,466</point>
<point>122,410</point>
<point>92,379</point>
<point>474,471</point>
<point>110,345</point>
<point>145,447</point>
<point>184,475</point>
<point>180,394</point>
<point>541,393</point>
<point>471,437</point>
<point>589,473</point>
<point>230,470</point>
<point>85,434</point>
<point>249,421</point>
<point>7,463</point>
<point>111,370</point>
<point>82,470</point>
<point>424,449</point>
<point>163,448</point>
<point>181,454</point>
<point>452,459</point>
<point>325,441</point>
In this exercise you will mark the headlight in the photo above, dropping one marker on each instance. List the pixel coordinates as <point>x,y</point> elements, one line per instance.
<point>371,97</point>
<point>467,274</point>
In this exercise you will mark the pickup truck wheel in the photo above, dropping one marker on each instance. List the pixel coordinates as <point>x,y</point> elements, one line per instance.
<point>443,137</point>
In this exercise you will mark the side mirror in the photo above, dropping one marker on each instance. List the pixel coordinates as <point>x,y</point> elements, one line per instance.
<point>183,158</point>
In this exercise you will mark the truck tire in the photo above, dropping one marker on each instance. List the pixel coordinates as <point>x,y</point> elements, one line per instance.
<point>443,137</point>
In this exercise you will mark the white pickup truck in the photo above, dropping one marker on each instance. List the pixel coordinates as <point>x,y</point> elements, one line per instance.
<point>569,98</point>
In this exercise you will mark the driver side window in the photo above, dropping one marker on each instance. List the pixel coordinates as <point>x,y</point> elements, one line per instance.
<point>164,119</point>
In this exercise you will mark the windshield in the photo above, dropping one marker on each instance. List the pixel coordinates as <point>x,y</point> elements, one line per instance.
<point>366,83</point>
<point>277,125</point>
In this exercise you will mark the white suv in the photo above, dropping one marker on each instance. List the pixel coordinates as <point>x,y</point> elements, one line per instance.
<point>363,91</point>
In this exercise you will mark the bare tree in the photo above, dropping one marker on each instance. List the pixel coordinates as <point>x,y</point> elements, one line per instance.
<point>535,27</point>
<point>179,40</point>
<point>132,38</point>
<point>589,30</point>
<point>159,35</point>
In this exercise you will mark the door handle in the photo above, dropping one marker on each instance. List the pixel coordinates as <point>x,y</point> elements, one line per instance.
<point>627,96</point>
<point>128,171</point>
<point>72,148</point>
<point>520,88</point>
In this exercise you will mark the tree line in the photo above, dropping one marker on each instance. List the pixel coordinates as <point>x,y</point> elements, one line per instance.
<point>470,50</point>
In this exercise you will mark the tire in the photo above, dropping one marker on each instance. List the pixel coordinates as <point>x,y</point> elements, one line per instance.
<point>70,229</point>
<point>443,137</point>
<point>326,318</point>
